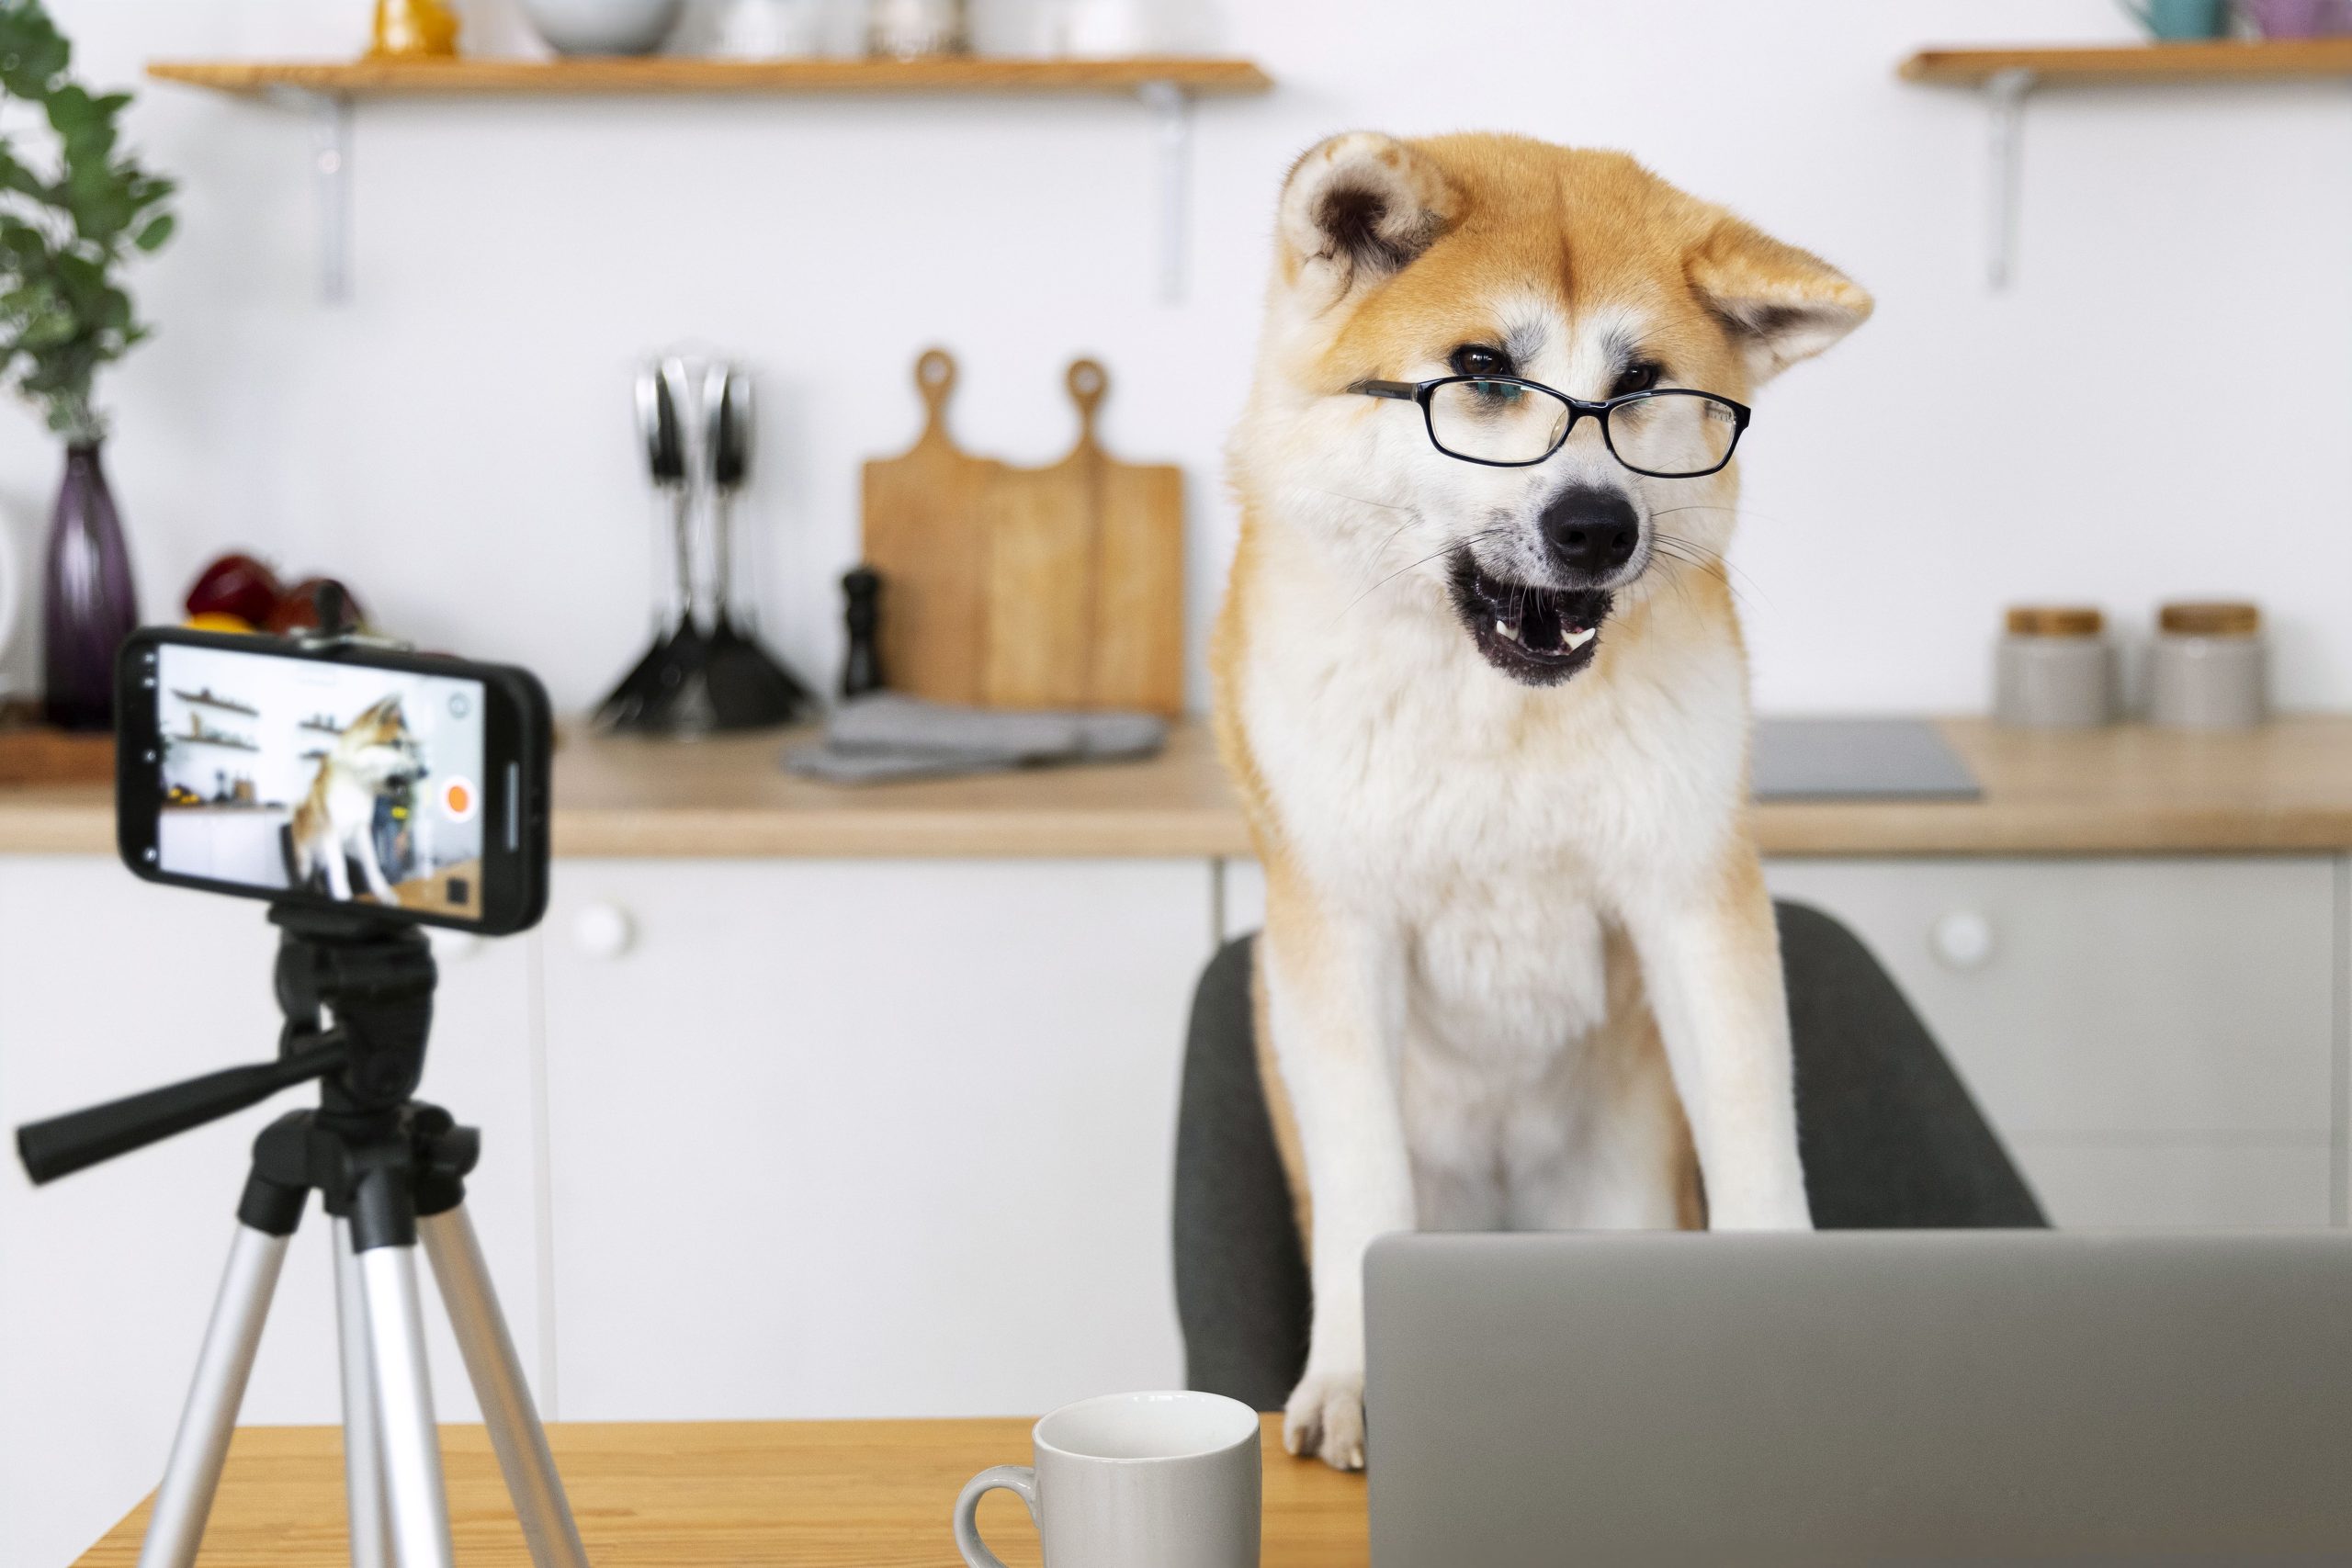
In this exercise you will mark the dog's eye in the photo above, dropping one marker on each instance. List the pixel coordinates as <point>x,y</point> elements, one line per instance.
<point>1477,359</point>
<point>1639,377</point>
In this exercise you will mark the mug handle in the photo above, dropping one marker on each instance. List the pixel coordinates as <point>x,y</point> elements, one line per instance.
<point>1017,1478</point>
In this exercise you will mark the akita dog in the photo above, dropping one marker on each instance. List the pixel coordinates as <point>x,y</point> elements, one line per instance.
<point>373,757</point>
<point>1480,683</point>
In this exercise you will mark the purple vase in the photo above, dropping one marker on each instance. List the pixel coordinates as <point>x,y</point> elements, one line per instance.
<point>2299,18</point>
<point>88,605</point>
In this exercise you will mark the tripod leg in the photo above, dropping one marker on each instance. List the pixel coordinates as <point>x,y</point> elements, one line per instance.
<point>184,1499</point>
<point>411,1445</point>
<point>362,1464</point>
<point>497,1374</point>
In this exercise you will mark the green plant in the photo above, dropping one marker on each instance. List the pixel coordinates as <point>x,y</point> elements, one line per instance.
<point>66,226</point>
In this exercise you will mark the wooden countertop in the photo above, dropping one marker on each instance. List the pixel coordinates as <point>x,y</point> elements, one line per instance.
<point>681,1495</point>
<point>2129,789</point>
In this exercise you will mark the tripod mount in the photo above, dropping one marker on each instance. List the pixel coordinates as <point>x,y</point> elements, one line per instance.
<point>356,992</point>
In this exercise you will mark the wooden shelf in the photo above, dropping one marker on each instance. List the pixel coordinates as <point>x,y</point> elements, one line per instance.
<point>326,90</point>
<point>662,74</point>
<point>2222,59</point>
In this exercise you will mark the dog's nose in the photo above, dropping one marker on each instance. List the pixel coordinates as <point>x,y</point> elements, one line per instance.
<point>1590,531</point>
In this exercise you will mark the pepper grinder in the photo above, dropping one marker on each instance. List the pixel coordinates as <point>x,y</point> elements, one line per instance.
<point>862,670</point>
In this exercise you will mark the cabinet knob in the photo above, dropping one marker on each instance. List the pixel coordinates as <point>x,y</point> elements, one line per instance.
<point>603,931</point>
<point>1962,939</point>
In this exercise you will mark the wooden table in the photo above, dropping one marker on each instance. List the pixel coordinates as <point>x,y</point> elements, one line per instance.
<point>729,1495</point>
<point>2126,789</point>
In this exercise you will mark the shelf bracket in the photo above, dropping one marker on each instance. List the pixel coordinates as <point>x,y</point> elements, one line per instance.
<point>1172,113</point>
<point>329,118</point>
<point>2005,94</point>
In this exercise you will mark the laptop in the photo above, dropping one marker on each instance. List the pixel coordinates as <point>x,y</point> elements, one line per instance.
<point>1859,1397</point>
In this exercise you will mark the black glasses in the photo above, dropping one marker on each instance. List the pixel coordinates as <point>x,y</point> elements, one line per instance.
<point>1507,422</point>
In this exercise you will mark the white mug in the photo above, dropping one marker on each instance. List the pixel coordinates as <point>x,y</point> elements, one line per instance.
<point>1134,1481</point>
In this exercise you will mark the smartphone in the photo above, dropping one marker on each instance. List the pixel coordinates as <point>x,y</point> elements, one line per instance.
<point>333,775</point>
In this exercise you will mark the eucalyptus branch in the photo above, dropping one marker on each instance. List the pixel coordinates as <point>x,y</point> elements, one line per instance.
<point>67,228</point>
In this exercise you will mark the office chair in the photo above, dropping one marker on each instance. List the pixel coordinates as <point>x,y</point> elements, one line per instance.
<point>1890,1138</point>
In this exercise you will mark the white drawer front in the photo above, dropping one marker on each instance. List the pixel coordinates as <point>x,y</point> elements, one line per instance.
<point>2165,997</point>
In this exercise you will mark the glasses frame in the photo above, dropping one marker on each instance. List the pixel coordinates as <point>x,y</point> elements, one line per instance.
<point>1425,394</point>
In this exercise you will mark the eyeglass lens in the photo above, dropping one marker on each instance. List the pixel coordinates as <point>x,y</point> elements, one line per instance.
<point>1504,422</point>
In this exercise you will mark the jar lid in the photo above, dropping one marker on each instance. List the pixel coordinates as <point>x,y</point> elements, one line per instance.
<point>2222,619</point>
<point>2056,620</point>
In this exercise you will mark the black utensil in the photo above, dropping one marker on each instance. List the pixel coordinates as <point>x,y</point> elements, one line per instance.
<point>749,687</point>
<point>662,692</point>
<point>861,618</point>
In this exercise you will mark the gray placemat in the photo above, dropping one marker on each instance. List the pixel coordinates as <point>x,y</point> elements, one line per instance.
<point>1857,758</point>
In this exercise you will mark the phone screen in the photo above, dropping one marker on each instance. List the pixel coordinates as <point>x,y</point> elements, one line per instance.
<point>351,782</point>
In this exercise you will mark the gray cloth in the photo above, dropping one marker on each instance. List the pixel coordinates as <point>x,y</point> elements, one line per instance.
<point>1890,1137</point>
<point>886,736</point>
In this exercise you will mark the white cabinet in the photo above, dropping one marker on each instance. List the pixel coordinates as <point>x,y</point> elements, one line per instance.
<point>865,1138</point>
<point>108,986</point>
<point>2159,1041</point>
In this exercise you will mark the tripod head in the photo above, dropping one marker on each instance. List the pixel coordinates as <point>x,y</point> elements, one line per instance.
<point>356,992</point>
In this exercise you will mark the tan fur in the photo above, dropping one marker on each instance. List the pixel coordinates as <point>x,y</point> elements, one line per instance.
<point>1456,240</point>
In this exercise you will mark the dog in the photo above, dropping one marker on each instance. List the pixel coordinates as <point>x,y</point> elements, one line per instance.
<point>1490,723</point>
<point>373,758</point>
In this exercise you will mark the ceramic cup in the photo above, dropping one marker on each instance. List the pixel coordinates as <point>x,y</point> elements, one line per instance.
<point>1134,1481</point>
<point>2180,18</point>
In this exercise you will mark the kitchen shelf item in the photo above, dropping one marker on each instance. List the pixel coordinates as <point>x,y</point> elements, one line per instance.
<point>917,30</point>
<point>604,28</point>
<point>2005,77</point>
<point>2208,668</point>
<point>923,538</point>
<point>1085,604</point>
<point>325,91</point>
<point>2054,669</point>
<point>412,29</point>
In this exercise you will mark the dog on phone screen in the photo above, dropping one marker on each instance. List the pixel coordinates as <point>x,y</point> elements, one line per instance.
<point>1480,683</point>
<point>373,758</point>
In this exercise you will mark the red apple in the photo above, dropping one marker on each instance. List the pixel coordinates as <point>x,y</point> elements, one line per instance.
<point>297,607</point>
<point>235,585</point>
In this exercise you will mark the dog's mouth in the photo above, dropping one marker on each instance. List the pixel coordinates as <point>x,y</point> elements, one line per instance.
<point>1536,635</point>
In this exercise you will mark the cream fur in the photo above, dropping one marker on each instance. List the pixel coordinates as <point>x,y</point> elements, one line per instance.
<point>1518,959</point>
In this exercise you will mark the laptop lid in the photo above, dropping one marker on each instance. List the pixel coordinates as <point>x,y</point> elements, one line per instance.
<point>1881,1397</point>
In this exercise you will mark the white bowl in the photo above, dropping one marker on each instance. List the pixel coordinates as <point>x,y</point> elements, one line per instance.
<point>604,26</point>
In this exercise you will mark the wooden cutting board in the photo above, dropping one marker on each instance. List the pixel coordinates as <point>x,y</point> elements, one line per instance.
<point>922,535</point>
<point>1006,587</point>
<point>1085,599</point>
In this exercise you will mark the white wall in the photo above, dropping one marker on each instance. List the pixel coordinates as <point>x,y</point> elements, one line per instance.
<point>2158,408</point>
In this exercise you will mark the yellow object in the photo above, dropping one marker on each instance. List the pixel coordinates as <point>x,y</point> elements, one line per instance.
<point>413,30</point>
<point>214,621</point>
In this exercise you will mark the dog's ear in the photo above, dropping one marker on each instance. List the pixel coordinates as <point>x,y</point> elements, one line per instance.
<point>1357,209</point>
<point>1780,304</point>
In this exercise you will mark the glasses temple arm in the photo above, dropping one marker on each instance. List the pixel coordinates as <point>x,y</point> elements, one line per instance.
<point>1405,392</point>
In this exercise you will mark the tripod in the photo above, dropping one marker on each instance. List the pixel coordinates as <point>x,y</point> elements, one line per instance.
<point>357,991</point>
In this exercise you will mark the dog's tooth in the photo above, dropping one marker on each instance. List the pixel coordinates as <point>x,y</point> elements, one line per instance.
<point>1508,630</point>
<point>1574,640</point>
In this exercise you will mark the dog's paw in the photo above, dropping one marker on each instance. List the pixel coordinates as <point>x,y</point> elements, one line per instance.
<point>1325,1418</point>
